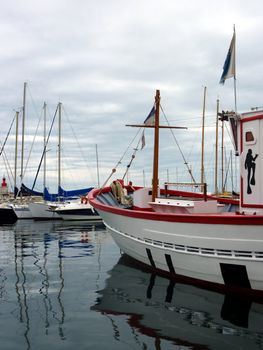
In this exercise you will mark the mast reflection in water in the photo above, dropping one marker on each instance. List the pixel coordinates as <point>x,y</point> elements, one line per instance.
<point>33,276</point>
<point>65,285</point>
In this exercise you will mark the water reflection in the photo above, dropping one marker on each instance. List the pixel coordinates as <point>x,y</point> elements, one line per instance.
<point>183,314</point>
<point>34,264</point>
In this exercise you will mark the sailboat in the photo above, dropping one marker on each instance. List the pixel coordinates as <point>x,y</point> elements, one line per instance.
<point>195,239</point>
<point>46,209</point>
<point>20,203</point>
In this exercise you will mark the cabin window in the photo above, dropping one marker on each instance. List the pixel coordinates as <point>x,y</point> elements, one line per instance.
<point>249,137</point>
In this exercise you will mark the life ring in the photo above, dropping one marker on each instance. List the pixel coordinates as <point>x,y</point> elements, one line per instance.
<point>84,200</point>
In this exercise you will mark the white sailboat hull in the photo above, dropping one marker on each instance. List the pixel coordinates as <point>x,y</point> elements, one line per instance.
<point>22,211</point>
<point>77,211</point>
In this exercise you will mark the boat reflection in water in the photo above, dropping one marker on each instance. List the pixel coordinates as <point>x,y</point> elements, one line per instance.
<point>34,281</point>
<point>179,313</point>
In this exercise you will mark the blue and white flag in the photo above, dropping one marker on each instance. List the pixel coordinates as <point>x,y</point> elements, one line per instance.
<point>229,69</point>
<point>150,120</point>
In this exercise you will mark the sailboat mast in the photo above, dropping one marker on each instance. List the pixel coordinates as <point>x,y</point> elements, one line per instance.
<point>59,144</point>
<point>203,139</point>
<point>155,180</point>
<point>16,143</point>
<point>45,154</point>
<point>23,132</point>
<point>222,156</point>
<point>97,162</point>
<point>216,148</point>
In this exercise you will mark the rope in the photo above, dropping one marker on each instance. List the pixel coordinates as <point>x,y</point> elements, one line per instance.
<point>2,148</point>
<point>119,162</point>
<point>84,157</point>
<point>33,142</point>
<point>185,162</point>
<point>45,148</point>
<point>132,158</point>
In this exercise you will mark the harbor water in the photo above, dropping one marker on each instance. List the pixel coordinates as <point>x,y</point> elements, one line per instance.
<point>65,285</point>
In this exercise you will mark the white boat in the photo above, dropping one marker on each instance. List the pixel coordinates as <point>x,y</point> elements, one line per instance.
<point>22,210</point>
<point>45,209</point>
<point>80,210</point>
<point>196,239</point>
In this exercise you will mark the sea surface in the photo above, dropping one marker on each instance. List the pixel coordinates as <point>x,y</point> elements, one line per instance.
<point>65,285</point>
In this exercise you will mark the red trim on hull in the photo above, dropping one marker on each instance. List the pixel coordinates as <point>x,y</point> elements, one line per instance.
<point>250,119</point>
<point>222,219</point>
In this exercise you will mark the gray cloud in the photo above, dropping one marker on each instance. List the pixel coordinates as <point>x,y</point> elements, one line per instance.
<point>104,60</point>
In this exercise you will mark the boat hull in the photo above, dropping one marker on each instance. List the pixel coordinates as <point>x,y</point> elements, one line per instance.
<point>41,211</point>
<point>22,211</point>
<point>77,211</point>
<point>181,254</point>
<point>224,249</point>
<point>78,214</point>
<point>7,216</point>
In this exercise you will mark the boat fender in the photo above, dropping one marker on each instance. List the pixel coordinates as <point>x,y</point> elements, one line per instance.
<point>84,200</point>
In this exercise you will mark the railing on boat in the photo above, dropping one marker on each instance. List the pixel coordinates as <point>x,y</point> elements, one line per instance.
<point>203,187</point>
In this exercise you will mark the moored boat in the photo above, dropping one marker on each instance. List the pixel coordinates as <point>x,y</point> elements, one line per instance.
<point>7,215</point>
<point>196,239</point>
<point>77,210</point>
<point>22,210</point>
<point>43,210</point>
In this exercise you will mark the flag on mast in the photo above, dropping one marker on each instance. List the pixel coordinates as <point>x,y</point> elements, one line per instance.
<point>150,120</point>
<point>229,69</point>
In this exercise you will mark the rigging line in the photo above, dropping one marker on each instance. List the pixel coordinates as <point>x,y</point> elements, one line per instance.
<point>132,158</point>
<point>2,148</point>
<point>229,135</point>
<point>8,169</point>
<point>226,176</point>
<point>45,147</point>
<point>79,146</point>
<point>185,162</point>
<point>33,101</point>
<point>33,142</point>
<point>119,162</point>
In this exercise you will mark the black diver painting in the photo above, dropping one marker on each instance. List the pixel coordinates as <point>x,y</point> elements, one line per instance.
<point>250,165</point>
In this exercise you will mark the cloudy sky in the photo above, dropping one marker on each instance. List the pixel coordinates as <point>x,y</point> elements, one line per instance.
<point>104,60</point>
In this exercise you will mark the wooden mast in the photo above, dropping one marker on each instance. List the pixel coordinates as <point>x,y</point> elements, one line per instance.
<point>222,157</point>
<point>97,163</point>
<point>16,147</point>
<point>216,147</point>
<point>155,179</point>
<point>156,126</point>
<point>203,139</point>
